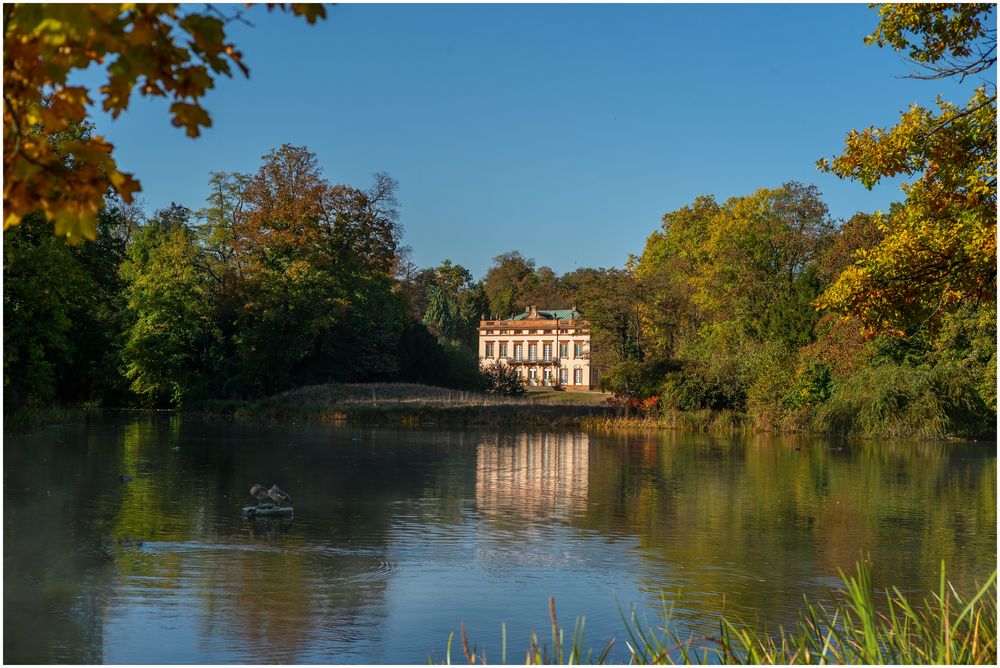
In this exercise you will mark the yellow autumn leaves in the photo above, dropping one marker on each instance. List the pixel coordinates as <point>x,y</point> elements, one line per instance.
<point>52,161</point>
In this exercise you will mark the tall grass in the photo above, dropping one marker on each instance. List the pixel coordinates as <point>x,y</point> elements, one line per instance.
<point>26,417</point>
<point>886,401</point>
<point>945,628</point>
<point>538,653</point>
<point>699,421</point>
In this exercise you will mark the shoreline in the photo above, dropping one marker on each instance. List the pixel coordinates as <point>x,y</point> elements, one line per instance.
<point>409,405</point>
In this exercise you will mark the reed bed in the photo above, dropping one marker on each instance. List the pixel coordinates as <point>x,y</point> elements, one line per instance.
<point>945,628</point>
<point>33,416</point>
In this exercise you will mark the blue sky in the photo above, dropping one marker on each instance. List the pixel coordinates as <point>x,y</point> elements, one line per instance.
<point>561,131</point>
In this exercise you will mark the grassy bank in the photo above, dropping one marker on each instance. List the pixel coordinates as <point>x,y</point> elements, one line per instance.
<point>864,627</point>
<point>412,405</point>
<point>415,405</point>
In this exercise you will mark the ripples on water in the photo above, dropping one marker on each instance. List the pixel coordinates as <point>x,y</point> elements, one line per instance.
<point>400,535</point>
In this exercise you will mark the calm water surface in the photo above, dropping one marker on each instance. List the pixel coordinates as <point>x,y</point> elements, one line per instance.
<point>400,535</point>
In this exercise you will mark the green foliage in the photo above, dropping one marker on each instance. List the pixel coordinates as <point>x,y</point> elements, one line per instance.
<point>168,302</point>
<point>813,385</point>
<point>503,379</point>
<point>867,628</point>
<point>695,388</point>
<point>899,400</point>
<point>506,283</point>
<point>937,249</point>
<point>462,368</point>
<point>41,283</point>
<point>62,308</point>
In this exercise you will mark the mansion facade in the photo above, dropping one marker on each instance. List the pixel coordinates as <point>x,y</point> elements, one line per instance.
<point>548,347</point>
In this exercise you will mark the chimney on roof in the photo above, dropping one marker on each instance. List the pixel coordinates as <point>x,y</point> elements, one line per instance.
<point>532,313</point>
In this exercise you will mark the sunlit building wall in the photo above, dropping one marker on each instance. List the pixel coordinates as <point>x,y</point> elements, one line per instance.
<point>548,347</point>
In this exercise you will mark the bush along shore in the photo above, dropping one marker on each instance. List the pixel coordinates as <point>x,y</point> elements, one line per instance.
<point>409,404</point>
<point>862,628</point>
<point>415,405</point>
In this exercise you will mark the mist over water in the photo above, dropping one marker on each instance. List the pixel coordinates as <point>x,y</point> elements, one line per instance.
<point>400,535</point>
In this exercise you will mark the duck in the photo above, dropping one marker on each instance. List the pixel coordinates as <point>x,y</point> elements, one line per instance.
<point>277,495</point>
<point>259,493</point>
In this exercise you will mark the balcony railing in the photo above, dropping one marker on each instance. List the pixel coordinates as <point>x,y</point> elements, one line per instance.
<point>528,360</point>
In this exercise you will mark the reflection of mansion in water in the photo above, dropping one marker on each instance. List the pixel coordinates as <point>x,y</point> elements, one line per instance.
<point>533,474</point>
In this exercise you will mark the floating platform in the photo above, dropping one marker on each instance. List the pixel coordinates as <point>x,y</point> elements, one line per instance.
<point>268,510</point>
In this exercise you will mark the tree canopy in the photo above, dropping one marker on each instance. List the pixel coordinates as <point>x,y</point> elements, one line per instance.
<point>937,248</point>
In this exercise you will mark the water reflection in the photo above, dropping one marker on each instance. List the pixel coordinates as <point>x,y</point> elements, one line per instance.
<point>399,535</point>
<point>532,476</point>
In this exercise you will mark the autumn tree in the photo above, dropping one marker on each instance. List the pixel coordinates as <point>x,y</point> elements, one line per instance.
<point>938,247</point>
<point>507,281</point>
<point>671,268</point>
<point>160,50</point>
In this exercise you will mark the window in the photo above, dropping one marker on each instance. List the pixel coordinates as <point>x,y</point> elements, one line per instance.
<point>532,376</point>
<point>578,350</point>
<point>578,376</point>
<point>517,352</point>
<point>563,376</point>
<point>489,350</point>
<point>532,352</point>
<point>547,352</point>
<point>548,375</point>
<point>489,331</point>
<point>548,331</point>
<point>533,331</point>
<point>503,350</point>
<point>563,350</point>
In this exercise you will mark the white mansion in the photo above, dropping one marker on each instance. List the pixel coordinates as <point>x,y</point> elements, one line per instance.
<point>549,347</point>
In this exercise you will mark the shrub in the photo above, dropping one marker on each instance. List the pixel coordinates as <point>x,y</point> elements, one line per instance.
<point>503,379</point>
<point>899,400</point>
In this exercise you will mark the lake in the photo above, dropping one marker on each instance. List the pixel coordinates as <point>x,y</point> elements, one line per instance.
<point>401,535</point>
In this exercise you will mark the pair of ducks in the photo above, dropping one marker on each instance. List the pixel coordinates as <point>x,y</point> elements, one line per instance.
<point>275,494</point>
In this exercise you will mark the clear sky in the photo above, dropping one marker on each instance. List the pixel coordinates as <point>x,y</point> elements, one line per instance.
<point>561,131</point>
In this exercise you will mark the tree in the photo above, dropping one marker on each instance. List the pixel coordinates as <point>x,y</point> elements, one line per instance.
<point>507,281</point>
<point>670,268</point>
<point>441,316</point>
<point>761,252</point>
<point>169,337</point>
<point>938,247</point>
<point>62,311</point>
<point>503,379</point>
<point>162,50</point>
<point>41,283</point>
<point>544,290</point>
<point>305,272</point>
<point>447,300</point>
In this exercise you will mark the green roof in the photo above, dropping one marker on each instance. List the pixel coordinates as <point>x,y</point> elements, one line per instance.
<point>551,314</point>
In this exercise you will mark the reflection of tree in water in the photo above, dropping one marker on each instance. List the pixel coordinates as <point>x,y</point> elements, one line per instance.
<point>251,589</point>
<point>757,519</point>
<point>532,475</point>
<point>57,568</point>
